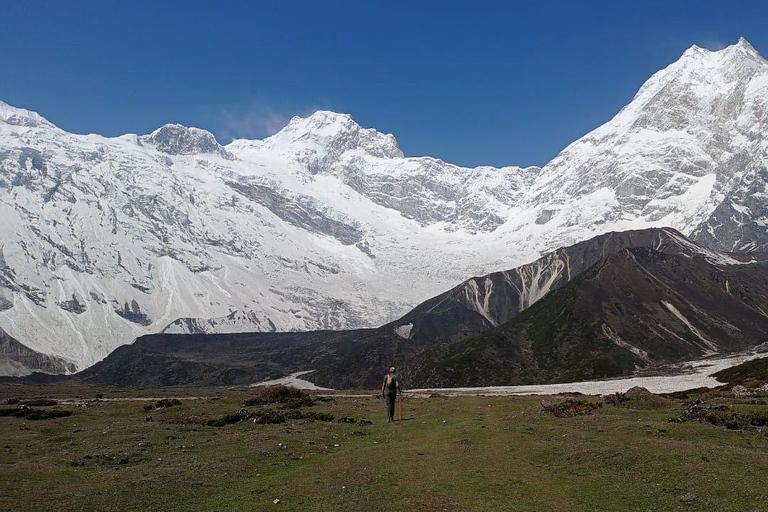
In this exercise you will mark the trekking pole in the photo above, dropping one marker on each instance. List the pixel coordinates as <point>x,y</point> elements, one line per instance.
<point>399,407</point>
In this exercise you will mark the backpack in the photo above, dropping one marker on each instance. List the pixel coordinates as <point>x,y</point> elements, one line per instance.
<point>391,381</point>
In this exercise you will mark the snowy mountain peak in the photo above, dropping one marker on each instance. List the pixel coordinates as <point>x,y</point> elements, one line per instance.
<point>746,46</point>
<point>325,121</point>
<point>693,134</point>
<point>21,117</point>
<point>176,139</point>
<point>327,135</point>
<point>732,53</point>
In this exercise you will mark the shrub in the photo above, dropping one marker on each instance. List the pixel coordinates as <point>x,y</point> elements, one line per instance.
<point>227,419</point>
<point>41,402</point>
<point>571,408</point>
<point>723,415</point>
<point>269,416</point>
<point>167,402</point>
<point>35,414</point>
<point>616,399</point>
<point>292,397</point>
<point>317,416</point>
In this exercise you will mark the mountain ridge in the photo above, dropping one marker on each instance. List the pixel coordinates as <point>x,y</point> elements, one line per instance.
<point>327,226</point>
<point>613,304</point>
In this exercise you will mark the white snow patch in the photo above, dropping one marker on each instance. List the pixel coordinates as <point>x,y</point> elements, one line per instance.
<point>623,344</point>
<point>712,348</point>
<point>292,380</point>
<point>404,331</point>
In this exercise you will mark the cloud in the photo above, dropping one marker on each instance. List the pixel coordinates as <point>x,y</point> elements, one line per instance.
<point>713,44</point>
<point>253,122</point>
<point>256,120</point>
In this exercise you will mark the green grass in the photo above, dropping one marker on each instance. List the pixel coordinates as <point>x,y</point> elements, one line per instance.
<point>468,453</point>
<point>750,373</point>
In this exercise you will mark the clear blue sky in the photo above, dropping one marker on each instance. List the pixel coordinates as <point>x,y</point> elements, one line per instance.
<point>470,82</point>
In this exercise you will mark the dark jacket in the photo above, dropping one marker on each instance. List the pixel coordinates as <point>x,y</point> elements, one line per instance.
<point>391,384</point>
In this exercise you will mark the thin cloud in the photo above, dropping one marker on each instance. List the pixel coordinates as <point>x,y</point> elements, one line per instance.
<point>251,123</point>
<point>257,121</point>
<point>713,44</point>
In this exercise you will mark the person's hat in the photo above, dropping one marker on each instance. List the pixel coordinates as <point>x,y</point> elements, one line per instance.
<point>392,369</point>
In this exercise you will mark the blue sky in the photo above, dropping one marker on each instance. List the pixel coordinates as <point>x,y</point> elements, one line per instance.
<point>471,82</point>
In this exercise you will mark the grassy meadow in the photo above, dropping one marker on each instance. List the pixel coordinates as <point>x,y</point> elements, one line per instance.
<point>452,454</point>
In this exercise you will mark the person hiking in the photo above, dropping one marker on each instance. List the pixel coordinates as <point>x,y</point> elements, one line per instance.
<point>390,388</point>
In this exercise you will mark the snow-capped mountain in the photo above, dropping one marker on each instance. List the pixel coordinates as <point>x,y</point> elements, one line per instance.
<point>690,151</point>
<point>326,225</point>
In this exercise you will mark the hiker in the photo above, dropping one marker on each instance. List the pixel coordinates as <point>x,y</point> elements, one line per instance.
<point>391,388</point>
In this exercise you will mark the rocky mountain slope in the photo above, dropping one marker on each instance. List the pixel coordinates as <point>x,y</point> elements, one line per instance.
<point>637,308</point>
<point>602,308</point>
<point>16,360</point>
<point>326,225</point>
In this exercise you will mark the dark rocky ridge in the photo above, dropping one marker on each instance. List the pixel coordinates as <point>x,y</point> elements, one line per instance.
<point>176,139</point>
<point>633,309</point>
<point>21,360</point>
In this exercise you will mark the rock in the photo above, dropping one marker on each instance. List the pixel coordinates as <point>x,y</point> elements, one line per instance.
<point>688,498</point>
<point>276,501</point>
<point>741,392</point>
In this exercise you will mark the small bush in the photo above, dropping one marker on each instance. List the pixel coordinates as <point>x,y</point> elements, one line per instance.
<point>755,418</point>
<point>571,408</point>
<point>616,399</point>
<point>35,414</point>
<point>41,402</point>
<point>227,419</point>
<point>353,421</point>
<point>637,398</point>
<point>298,403</point>
<point>269,416</point>
<point>12,401</point>
<point>723,416</point>
<point>167,402</point>
<point>318,416</point>
<point>280,394</point>
<point>184,420</point>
